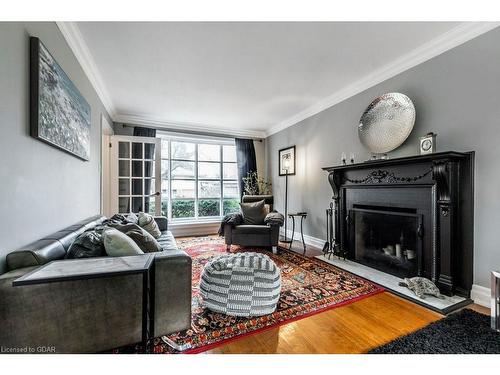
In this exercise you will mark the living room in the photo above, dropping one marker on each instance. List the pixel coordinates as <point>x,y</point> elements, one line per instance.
<point>227,184</point>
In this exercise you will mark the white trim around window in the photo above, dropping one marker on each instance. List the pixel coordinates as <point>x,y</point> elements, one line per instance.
<point>199,180</point>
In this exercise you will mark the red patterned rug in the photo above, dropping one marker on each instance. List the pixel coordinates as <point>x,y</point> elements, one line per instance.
<point>309,286</point>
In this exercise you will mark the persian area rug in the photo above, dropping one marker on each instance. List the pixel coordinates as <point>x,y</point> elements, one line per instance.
<point>309,286</point>
<point>465,332</point>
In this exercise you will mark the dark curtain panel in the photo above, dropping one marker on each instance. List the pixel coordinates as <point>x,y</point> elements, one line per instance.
<point>144,132</point>
<point>149,153</point>
<point>245,156</point>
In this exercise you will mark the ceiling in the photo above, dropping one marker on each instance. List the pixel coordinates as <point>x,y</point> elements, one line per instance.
<point>251,78</point>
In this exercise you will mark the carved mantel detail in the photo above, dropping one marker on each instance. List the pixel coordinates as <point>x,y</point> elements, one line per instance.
<point>380,175</point>
<point>440,175</point>
<point>334,184</point>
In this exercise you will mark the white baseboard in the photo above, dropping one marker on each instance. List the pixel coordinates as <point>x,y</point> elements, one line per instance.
<point>309,240</point>
<point>481,295</point>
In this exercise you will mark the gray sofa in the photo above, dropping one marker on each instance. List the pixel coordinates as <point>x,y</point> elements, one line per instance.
<point>253,235</point>
<point>93,315</point>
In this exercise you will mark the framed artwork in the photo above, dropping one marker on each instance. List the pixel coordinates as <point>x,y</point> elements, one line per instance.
<point>287,161</point>
<point>59,114</point>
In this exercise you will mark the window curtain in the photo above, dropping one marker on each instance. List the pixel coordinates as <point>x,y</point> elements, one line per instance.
<point>149,153</point>
<point>245,157</point>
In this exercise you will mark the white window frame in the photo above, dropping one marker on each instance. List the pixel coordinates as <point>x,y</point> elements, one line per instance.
<point>115,159</point>
<point>197,140</point>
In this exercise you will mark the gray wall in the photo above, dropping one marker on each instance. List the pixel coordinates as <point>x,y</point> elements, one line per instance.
<point>43,189</point>
<point>456,94</point>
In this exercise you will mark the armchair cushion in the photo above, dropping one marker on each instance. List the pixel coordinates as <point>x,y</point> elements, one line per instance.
<point>252,229</point>
<point>253,213</point>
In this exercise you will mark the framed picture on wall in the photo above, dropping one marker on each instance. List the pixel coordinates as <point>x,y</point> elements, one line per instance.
<point>287,161</point>
<point>59,114</point>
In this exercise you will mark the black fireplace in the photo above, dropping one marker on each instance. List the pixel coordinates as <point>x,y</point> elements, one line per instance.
<point>387,239</point>
<point>408,217</point>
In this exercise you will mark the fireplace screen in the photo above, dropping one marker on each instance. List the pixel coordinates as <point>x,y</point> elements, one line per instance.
<point>386,240</point>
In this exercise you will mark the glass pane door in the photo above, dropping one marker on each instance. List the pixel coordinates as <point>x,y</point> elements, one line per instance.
<point>136,174</point>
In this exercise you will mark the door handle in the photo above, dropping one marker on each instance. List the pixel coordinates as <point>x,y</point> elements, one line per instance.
<point>157,194</point>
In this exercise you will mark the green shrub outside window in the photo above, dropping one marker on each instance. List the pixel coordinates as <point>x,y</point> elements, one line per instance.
<point>182,208</point>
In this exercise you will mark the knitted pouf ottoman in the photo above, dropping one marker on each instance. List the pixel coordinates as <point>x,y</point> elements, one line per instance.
<point>245,284</point>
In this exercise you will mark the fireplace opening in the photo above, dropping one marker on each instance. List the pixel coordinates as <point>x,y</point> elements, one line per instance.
<point>388,239</point>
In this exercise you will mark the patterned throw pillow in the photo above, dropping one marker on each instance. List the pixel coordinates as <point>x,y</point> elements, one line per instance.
<point>147,222</point>
<point>132,218</point>
<point>86,245</point>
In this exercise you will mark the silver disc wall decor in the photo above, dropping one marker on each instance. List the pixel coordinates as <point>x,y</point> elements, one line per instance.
<point>386,123</point>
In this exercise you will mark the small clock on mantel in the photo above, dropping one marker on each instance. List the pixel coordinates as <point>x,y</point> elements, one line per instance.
<point>428,144</point>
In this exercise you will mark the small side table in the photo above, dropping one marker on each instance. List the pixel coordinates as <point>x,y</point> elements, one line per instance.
<point>302,216</point>
<point>495,300</point>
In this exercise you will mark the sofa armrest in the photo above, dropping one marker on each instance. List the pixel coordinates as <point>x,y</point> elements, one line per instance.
<point>37,315</point>
<point>162,222</point>
<point>172,292</point>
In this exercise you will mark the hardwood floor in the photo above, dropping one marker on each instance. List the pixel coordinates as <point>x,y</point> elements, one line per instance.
<point>354,328</point>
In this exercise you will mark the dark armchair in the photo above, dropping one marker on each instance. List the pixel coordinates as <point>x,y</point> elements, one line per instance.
<point>265,235</point>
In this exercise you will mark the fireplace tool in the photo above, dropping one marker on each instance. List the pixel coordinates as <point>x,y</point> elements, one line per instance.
<point>331,246</point>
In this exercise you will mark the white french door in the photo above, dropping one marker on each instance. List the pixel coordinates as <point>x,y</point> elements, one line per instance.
<point>135,174</point>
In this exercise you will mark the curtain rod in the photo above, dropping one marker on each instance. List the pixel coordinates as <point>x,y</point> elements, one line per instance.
<point>192,132</point>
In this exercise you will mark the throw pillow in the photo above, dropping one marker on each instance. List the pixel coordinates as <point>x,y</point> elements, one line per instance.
<point>148,222</point>
<point>125,227</point>
<point>118,244</point>
<point>86,245</point>
<point>132,218</point>
<point>143,239</point>
<point>253,213</point>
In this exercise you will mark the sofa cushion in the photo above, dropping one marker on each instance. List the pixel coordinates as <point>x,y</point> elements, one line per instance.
<point>254,213</point>
<point>118,244</point>
<point>167,241</point>
<point>87,245</point>
<point>148,222</point>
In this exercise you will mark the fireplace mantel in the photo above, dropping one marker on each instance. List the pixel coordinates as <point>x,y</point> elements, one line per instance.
<point>441,185</point>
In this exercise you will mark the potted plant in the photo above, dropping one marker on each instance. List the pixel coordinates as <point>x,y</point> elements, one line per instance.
<point>255,185</point>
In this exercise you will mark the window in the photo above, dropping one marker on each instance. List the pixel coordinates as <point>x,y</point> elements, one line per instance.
<point>199,178</point>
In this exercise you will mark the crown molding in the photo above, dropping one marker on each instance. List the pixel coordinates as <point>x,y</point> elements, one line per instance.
<point>451,39</point>
<point>82,53</point>
<point>187,127</point>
